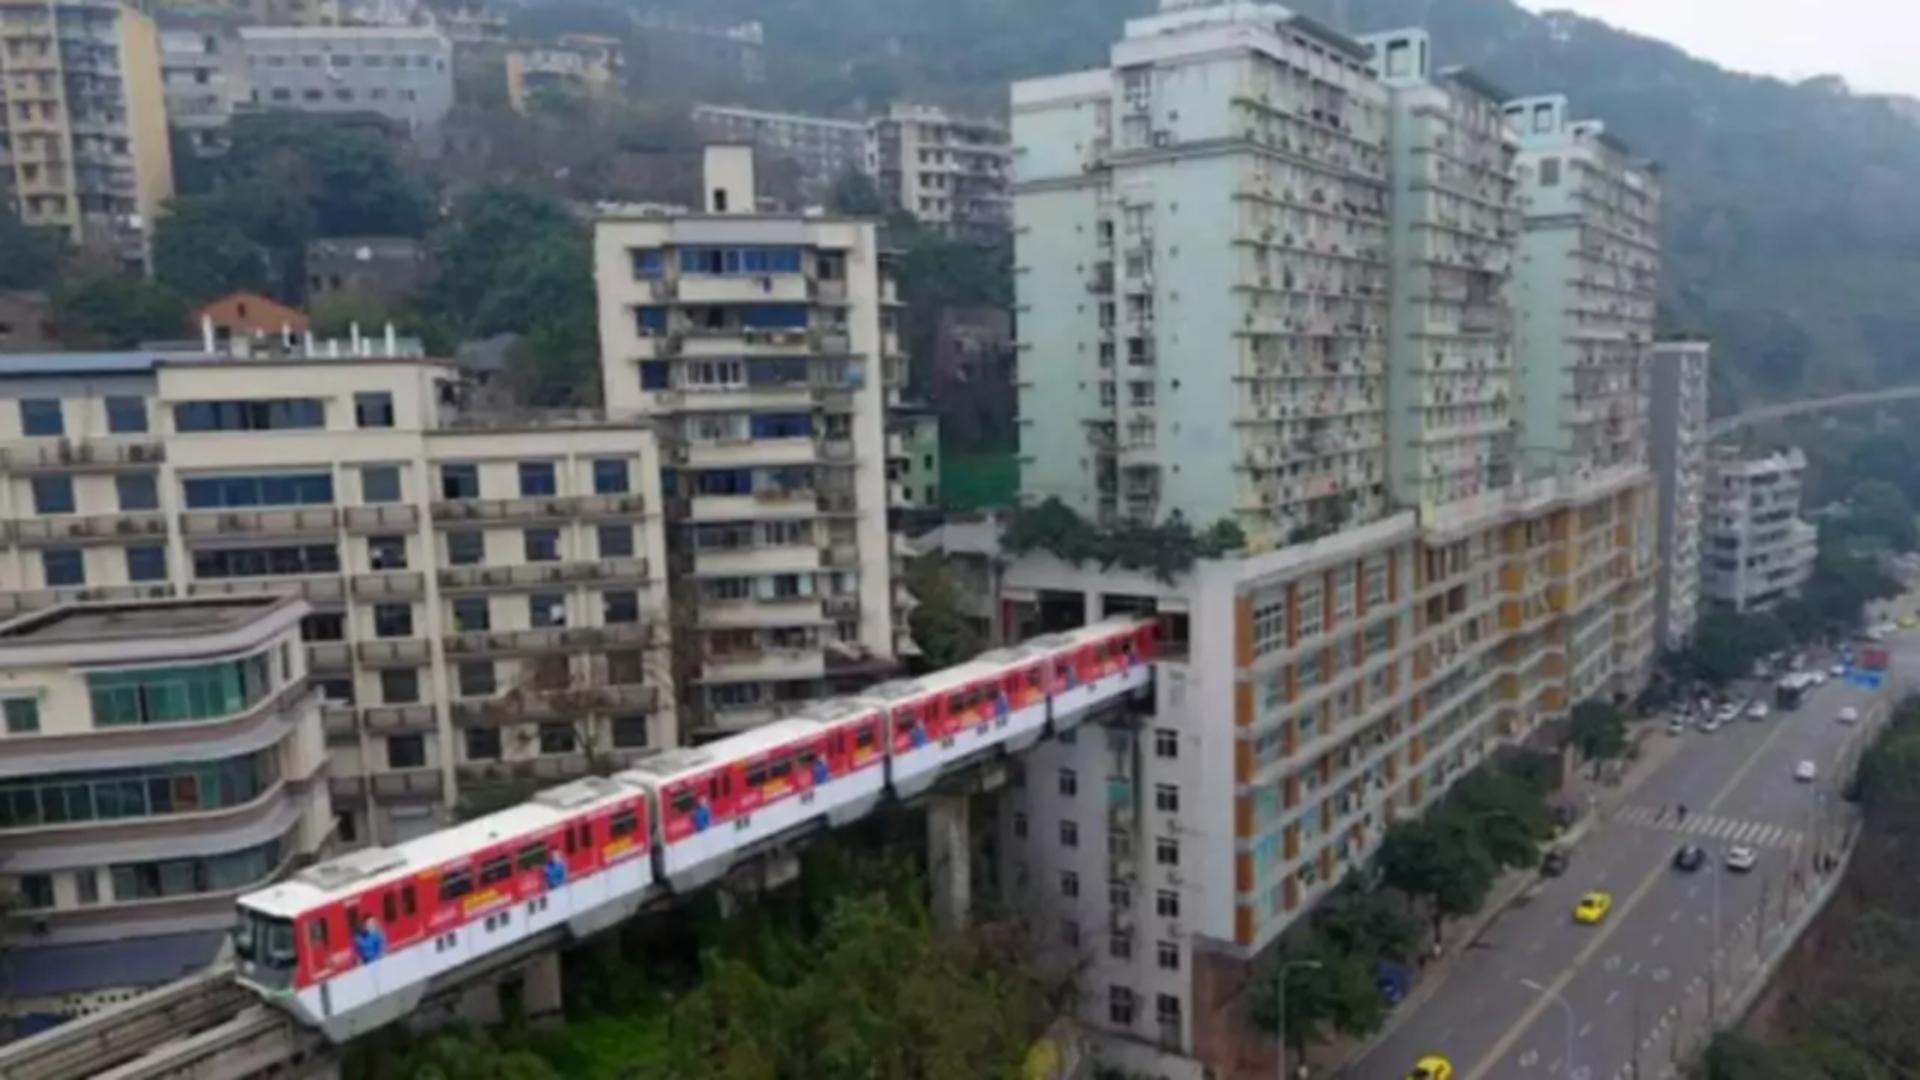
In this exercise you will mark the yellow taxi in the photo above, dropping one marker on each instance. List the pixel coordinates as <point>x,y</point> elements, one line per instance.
<point>1432,1067</point>
<point>1909,622</point>
<point>1593,907</point>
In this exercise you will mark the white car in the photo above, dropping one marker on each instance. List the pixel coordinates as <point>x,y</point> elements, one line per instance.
<point>1819,678</point>
<point>1727,714</point>
<point>1838,671</point>
<point>1741,858</point>
<point>1849,715</point>
<point>1805,772</point>
<point>1677,725</point>
<point>1757,711</point>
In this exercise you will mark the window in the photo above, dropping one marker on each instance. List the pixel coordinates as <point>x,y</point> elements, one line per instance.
<point>1120,947</point>
<point>373,409</point>
<point>1166,904</point>
<point>276,489</point>
<point>181,693</point>
<point>53,494</point>
<point>324,626</point>
<point>610,477</point>
<point>137,491</point>
<point>483,744</point>
<point>1549,172</point>
<point>387,552</point>
<point>537,478</point>
<point>23,715</point>
<point>650,321</point>
<point>86,886</point>
<point>1167,953</point>
<point>558,738</point>
<point>148,562</point>
<point>546,609</point>
<point>392,620</point>
<point>648,262</point>
<point>471,614</point>
<point>1166,743</point>
<point>406,751</point>
<point>476,678</point>
<point>543,545</point>
<point>1166,851</point>
<point>459,481</point>
<point>1069,834</point>
<point>620,606</point>
<point>1019,826</point>
<point>752,260</point>
<point>466,547</point>
<point>63,566</point>
<point>1069,884</point>
<point>227,872</point>
<point>380,484</point>
<point>1166,798</point>
<point>36,890</point>
<point>1120,1006</point>
<point>630,732</point>
<point>41,416</point>
<point>262,562</point>
<point>1375,587</point>
<point>616,541</point>
<point>399,686</point>
<point>626,668</point>
<point>1069,783</point>
<point>1070,933</point>
<point>1313,609</point>
<point>266,414</point>
<point>126,415</point>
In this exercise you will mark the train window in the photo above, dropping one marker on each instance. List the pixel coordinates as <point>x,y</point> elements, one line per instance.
<point>455,885</point>
<point>498,868</point>
<point>533,856</point>
<point>583,832</point>
<point>317,932</point>
<point>625,822</point>
<point>353,919</point>
<point>864,738</point>
<point>781,768</point>
<point>756,776</point>
<point>713,788</point>
<point>409,901</point>
<point>683,800</point>
<point>390,907</point>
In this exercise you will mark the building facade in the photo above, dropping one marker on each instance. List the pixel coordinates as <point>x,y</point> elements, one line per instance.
<point>1754,548</point>
<point>1679,454</point>
<point>824,149</point>
<point>576,65</point>
<point>949,172</point>
<point>83,122</point>
<point>487,591</point>
<point>913,460</point>
<point>764,351</point>
<point>205,76</point>
<point>160,756</point>
<point>381,270</point>
<point>404,74</point>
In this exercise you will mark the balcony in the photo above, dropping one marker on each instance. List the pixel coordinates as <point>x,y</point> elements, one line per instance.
<point>320,588</point>
<point>749,665</point>
<point>786,559</point>
<point>538,508</point>
<point>741,453</point>
<point>744,288</point>
<point>383,585</point>
<point>391,517</point>
<point>516,708</point>
<point>93,527</point>
<point>340,723</point>
<point>330,656</point>
<point>305,520</point>
<point>762,614</point>
<point>550,573</point>
<point>403,784</point>
<point>393,652</point>
<point>611,506</point>
<point>70,455</point>
<point>395,719</point>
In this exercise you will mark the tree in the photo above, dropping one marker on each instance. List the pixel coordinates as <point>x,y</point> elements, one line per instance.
<point>1327,990</point>
<point>854,193</point>
<point>1599,732</point>
<point>121,310</point>
<point>202,252</point>
<point>1438,860</point>
<point>31,255</point>
<point>1879,511</point>
<point>1368,922</point>
<point>939,624</point>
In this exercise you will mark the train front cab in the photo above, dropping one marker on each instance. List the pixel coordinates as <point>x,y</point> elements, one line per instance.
<point>1098,664</point>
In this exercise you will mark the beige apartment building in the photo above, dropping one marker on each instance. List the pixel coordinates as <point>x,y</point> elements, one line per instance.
<point>763,350</point>
<point>83,122</point>
<point>952,173</point>
<point>488,592</point>
<point>157,758</point>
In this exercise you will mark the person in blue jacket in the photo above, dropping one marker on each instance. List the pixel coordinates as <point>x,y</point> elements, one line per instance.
<point>702,815</point>
<point>556,871</point>
<point>821,774</point>
<point>369,941</point>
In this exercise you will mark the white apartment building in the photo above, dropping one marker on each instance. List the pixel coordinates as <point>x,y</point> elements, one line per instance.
<point>1585,290</point>
<point>1754,548</point>
<point>488,593</point>
<point>157,758</point>
<point>949,172</point>
<point>402,73</point>
<point>204,76</point>
<point>1679,453</point>
<point>825,149</point>
<point>763,350</point>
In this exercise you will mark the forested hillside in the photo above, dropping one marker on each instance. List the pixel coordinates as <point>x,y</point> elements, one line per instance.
<point>1792,236</point>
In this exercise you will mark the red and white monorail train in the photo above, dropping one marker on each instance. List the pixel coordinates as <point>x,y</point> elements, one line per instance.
<point>355,942</point>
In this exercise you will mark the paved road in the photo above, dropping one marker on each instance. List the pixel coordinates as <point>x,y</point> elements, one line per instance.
<point>1652,955</point>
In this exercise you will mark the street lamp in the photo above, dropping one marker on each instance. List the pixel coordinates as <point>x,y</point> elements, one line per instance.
<point>1554,996</point>
<point>1280,1003</point>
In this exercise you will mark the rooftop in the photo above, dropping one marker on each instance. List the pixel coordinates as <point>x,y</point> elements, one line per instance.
<point>141,620</point>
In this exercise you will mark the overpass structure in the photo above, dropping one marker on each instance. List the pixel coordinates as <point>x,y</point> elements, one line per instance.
<point>1727,425</point>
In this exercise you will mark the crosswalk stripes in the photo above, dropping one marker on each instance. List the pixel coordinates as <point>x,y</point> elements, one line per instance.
<point>1727,830</point>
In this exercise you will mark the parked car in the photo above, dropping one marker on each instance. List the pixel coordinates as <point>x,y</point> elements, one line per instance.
<point>1757,711</point>
<point>1555,863</point>
<point>1677,725</point>
<point>1806,772</point>
<point>1848,715</point>
<point>1741,858</point>
<point>1689,858</point>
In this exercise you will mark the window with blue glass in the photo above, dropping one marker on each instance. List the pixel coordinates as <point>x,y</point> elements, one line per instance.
<point>740,260</point>
<point>610,477</point>
<point>263,562</point>
<point>655,375</point>
<point>41,416</point>
<point>277,489</point>
<point>782,425</point>
<point>148,562</point>
<point>380,484</point>
<point>64,566</point>
<point>537,478</point>
<point>266,414</point>
<point>724,482</point>
<point>459,481</point>
<point>774,316</point>
<point>53,494</point>
<point>777,371</point>
<point>542,545</point>
<point>137,491</point>
<point>616,541</point>
<point>650,320</point>
<point>648,262</point>
<point>126,415</point>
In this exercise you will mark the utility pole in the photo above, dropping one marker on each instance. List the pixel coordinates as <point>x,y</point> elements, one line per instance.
<point>1635,1050</point>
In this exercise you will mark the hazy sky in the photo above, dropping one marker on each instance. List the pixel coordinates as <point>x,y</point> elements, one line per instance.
<point>1870,43</point>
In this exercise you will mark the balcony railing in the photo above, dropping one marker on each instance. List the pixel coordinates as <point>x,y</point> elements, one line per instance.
<point>93,527</point>
<point>394,652</point>
<point>383,518</point>
<point>553,573</point>
<point>323,588</point>
<point>305,519</point>
<point>74,455</point>
<point>388,583</point>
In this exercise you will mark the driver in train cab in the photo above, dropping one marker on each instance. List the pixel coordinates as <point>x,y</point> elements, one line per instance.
<point>821,774</point>
<point>369,941</point>
<point>916,734</point>
<point>702,814</point>
<point>556,871</point>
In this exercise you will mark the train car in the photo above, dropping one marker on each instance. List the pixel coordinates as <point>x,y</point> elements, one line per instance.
<point>1025,678</point>
<point>720,800</point>
<point>353,943</point>
<point>1098,663</point>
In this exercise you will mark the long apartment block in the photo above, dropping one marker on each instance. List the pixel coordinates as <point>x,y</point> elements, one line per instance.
<point>764,352</point>
<point>1755,549</point>
<point>488,594</point>
<point>1679,457</point>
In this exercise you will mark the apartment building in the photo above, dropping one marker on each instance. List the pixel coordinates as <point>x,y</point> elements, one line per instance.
<point>83,123</point>
<point>487,591</point>
<point>576,65</point>
<point>205,77</point>
<point>260,12</point>
<point>1456,223</point>
<point>1754,548</point>
<point>949,172</point>
<point>402,73</point>
<point>824,149</point>
<point>1679,455</point>
<point>764,350</point>
<point>1584,294</point>
<point>157,757</point>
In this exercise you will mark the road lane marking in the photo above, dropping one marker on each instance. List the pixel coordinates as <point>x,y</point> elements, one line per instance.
<point>1613,995</point>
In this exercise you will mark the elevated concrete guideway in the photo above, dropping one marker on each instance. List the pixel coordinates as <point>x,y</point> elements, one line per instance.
<point>1727,425</point>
